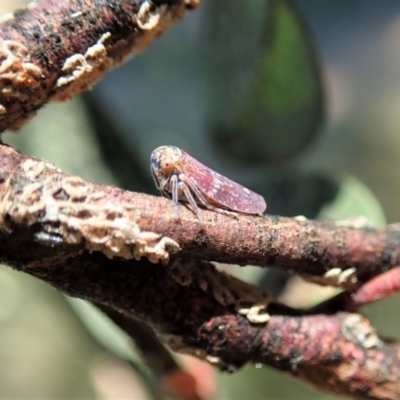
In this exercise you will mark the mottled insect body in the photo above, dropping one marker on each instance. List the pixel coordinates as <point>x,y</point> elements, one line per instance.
<point>179,176</point>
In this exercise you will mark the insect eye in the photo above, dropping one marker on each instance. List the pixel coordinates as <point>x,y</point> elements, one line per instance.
<point>167,165</point>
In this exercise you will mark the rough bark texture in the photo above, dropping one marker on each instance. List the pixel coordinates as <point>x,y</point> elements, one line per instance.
<point>55,49</point>
<point>127,252</point>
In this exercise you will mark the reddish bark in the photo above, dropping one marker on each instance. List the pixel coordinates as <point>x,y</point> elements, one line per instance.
<point>92,241</point>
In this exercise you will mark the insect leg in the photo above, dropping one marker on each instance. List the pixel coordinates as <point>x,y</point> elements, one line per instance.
<point>186,191</point>
<point>174,192</point>
<point>195,190</point>
<point>203,201</point>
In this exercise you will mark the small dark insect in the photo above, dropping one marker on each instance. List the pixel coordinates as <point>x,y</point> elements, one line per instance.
<point>179,176</point>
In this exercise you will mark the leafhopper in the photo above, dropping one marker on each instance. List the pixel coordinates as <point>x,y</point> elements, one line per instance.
<point>181,177</point>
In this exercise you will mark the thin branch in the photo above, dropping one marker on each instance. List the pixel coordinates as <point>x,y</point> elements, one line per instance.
<point>56,49</point>
<point>56,207</point>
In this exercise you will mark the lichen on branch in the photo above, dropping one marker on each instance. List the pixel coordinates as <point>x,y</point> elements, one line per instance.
<point>53,50</point>
<point>127,251</point>
<point>65,209</point>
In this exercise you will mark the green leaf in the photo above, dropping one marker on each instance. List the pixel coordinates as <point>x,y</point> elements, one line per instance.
<point>264,94</point>
<point>353,199</point>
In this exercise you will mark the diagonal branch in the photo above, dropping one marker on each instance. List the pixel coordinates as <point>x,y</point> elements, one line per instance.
<point>56,49</point>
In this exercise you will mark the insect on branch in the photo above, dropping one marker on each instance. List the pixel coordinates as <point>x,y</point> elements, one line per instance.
<point>179,176</point>
<point>88,249</point>
<point>117,249</point>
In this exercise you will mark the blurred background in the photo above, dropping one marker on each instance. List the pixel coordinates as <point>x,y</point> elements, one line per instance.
<point>298,101</point>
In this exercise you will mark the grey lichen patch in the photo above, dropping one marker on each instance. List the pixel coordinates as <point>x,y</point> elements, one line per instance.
<point>301,218</point>
<point>67,210</point>
<point>18,77</point>
<point>80,71</point>
<point>149,15</point>
<point>358,329</point>
<point>248,300</point>
<point>255,313</point>
<point>339,277</point>
<point>336,277</point>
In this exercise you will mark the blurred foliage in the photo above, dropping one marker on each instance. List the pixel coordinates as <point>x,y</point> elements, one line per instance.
<point>353,199</point>
<point>264,98</point>
<point>237,85</point>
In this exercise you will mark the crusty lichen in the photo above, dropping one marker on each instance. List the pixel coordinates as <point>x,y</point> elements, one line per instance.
<point>68,210</point>
<point>359,329</point>
<point>50,62</point>
<point>19,78</point>
<point>149,15</point>
<point>335,277</point>
<point>81,71</point>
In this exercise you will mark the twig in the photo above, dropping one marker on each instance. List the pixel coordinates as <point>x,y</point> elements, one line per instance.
<point>131,225</point>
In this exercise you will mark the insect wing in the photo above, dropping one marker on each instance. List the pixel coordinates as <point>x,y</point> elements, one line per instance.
<point>219,190</point>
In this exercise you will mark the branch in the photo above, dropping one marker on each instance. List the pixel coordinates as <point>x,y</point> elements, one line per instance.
<point>100,243</point>
<point>43,58</point>
<point>91,241</point>
<point>56,207</point>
